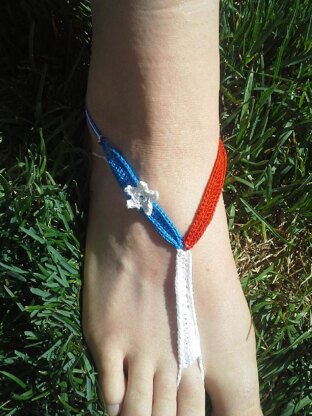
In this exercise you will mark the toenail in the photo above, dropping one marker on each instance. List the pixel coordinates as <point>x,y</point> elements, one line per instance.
<point>113,409</point>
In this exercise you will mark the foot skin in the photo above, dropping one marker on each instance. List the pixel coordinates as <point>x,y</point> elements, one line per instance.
<point>166,122</point>
<point>129,306</point>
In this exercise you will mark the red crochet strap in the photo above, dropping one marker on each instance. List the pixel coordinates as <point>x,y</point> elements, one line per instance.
<point>209,200</point>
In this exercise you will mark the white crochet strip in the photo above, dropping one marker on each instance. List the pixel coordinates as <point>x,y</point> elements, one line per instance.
<point>188,336</point>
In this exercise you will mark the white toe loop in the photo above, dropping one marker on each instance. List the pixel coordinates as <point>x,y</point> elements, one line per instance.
<point>188,335</point>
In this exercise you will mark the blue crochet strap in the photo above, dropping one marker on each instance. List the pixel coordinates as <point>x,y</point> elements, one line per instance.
<point>125,176</point>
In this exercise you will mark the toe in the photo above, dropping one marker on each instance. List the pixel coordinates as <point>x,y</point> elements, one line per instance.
<point>165,393</point>
<point>238,398</point>
<point>252,411</point>
<point>191,393</point>
<point>233,385</point>
<point>112,382</point>
<point>139,395</point>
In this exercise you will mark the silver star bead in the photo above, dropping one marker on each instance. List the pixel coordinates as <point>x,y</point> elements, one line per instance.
<point>141,197</point>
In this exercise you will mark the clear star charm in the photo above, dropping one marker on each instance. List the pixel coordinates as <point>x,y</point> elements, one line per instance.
<point>141,197</point>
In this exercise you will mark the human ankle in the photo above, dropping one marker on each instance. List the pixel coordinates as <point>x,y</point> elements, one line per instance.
<point>153,77</point>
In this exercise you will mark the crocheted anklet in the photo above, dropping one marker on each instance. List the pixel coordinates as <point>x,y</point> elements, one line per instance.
<point>139,196</point>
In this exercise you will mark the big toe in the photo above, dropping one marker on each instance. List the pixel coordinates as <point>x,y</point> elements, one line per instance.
<point>232,384</point>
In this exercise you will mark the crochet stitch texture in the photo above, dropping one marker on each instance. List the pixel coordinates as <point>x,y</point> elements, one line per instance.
<point>145,200</point>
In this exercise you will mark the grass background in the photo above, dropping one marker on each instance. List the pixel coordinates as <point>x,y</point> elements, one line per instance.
<point>266,50</point>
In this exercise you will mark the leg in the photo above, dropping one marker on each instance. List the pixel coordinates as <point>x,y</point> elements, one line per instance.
<point>154,90</point>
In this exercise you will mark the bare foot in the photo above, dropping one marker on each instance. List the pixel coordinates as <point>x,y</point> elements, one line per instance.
<point>129,316</point>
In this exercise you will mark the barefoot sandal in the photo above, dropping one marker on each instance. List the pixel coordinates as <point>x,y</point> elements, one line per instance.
<point>139,196</point>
